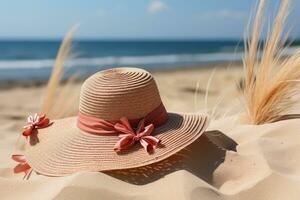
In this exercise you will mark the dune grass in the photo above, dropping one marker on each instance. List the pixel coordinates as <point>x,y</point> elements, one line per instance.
<point>59,100</point>
<point>271,80</point>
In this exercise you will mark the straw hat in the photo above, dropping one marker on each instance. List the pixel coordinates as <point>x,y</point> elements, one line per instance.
<point>111,102</point>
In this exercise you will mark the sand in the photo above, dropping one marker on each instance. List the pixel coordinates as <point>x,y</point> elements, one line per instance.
<point>264,165</point>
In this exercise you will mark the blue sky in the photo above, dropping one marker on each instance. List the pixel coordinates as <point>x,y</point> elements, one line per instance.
<point>172,19</point>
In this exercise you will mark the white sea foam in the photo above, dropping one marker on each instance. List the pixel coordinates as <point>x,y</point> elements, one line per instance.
<point>123,60</point>
<point>172,59</point>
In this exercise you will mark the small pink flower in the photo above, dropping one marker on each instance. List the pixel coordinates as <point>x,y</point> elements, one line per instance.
<point>35,122</point>
<point>128,136</point>
<point>23,166</point>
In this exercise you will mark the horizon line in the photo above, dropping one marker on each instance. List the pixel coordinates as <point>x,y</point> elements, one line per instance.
<point>83,39</point>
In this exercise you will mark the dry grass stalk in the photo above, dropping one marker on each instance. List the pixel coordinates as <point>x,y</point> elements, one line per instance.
<point>271,84</point>
<point>66,101</point>
<point>57,101</point>
<point>50,98</point>
<point>252,46</point>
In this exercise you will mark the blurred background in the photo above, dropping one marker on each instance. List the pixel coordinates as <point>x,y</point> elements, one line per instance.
<point>153,34</point>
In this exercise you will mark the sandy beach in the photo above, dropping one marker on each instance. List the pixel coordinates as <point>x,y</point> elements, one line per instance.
<point>181,91</point>
<point>212,168</point>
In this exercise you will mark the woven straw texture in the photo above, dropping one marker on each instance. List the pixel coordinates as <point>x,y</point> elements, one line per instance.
<point>119,92</point>
<point>63,148</point>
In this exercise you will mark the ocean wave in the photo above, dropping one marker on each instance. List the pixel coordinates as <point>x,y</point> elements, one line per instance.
<point>149,60</point>
<point>122,60</point>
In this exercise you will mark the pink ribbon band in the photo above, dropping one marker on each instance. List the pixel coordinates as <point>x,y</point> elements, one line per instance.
<point>95,125</point>
<point>124,128</point>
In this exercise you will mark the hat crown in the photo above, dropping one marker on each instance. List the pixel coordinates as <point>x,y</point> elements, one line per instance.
<point>119,92</point>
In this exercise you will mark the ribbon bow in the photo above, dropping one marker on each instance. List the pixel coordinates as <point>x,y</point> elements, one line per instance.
<point>35,122</point>
<point>23,166</point>
<point>128,136</point>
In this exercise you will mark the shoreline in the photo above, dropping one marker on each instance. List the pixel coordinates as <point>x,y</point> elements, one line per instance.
<point>10,84</point>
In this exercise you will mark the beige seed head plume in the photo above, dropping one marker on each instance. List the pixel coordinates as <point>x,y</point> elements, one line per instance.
<point>52,104</point>
<point>272,80</point>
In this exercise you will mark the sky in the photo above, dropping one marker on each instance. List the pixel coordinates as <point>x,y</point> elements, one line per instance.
<point>133,19</point>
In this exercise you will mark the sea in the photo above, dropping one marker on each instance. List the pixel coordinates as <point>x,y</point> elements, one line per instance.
<point>33,59</point>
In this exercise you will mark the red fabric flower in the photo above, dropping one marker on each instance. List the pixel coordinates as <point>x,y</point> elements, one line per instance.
<point>128,136</point>
<point>35,122</point>
<point>23,166</point>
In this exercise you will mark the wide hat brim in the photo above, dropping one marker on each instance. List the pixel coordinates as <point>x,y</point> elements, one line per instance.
<point>62,148</point>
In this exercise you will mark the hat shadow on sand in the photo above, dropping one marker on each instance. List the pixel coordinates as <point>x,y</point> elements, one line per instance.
<point>201,158</point>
